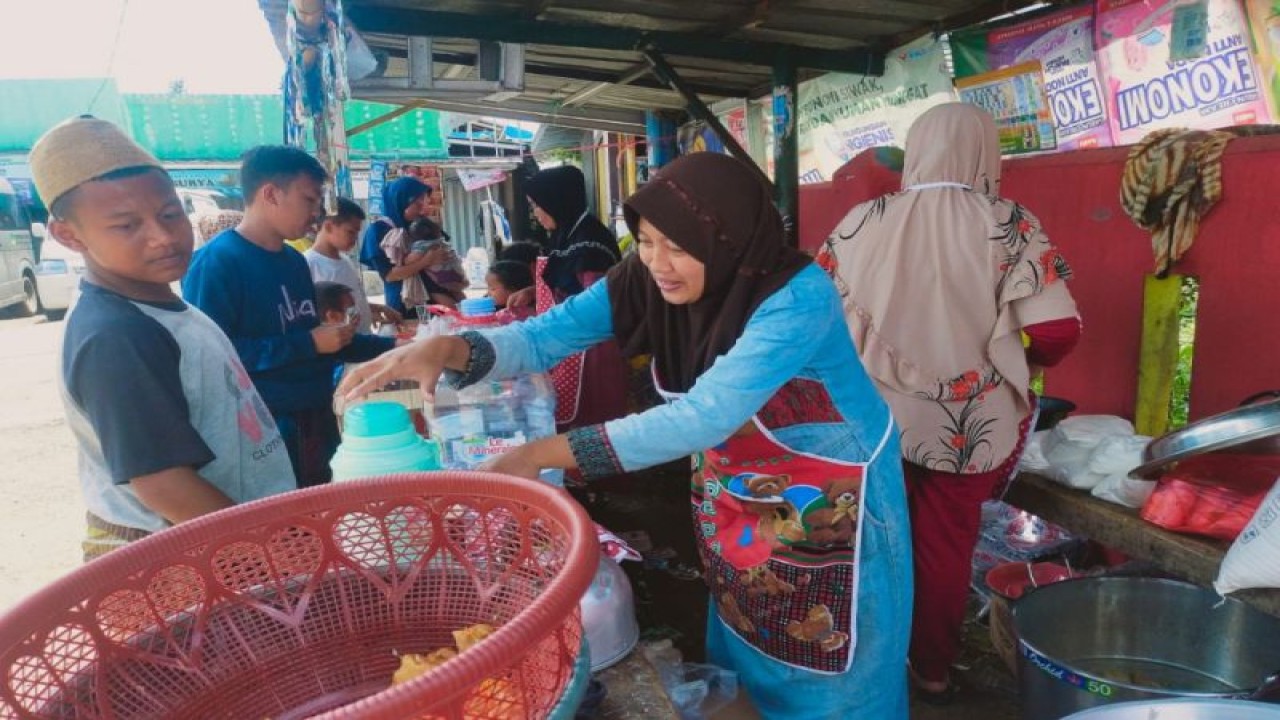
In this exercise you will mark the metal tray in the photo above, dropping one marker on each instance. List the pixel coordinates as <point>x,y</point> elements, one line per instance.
<point>1230,429</point>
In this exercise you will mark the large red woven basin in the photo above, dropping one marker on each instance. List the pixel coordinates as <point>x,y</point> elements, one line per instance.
<point>295,606</point>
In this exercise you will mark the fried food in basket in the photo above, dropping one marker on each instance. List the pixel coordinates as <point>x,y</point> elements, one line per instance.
<point>495,698</point>
<point>469,636</point>
<point>412,664</point>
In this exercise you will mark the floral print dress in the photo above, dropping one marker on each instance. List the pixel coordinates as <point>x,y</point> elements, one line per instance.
<point>964,422</point>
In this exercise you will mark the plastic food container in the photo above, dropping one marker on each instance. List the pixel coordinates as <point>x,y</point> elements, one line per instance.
<point>379,439</point>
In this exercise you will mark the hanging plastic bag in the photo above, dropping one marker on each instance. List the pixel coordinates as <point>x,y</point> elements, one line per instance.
<point>361,62</point>
<point>1254,559</point>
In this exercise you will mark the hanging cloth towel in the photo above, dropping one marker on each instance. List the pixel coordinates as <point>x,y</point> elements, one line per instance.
<point>1171,181</point>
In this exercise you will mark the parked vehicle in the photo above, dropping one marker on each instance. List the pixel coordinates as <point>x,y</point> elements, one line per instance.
<point>18,290</point>
<point>196,201</point>
<point>58,279</point>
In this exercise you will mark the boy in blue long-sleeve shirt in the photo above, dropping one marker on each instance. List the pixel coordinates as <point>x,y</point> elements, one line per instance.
<point>260,292</point>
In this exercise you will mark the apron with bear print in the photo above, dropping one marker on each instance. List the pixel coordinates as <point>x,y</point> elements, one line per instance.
<point>779,534</point>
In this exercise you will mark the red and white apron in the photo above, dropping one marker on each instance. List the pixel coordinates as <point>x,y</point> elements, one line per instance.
<point>566,377</point>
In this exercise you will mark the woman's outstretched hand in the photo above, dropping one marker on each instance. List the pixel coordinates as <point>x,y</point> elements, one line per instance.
<point>530,459</point>
<point>518,462</point>
<point>423,362</point>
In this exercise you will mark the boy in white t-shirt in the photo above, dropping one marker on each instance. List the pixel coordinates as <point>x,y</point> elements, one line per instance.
<point>338,235</point>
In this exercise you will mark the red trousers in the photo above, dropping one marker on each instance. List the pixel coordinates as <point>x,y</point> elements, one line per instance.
<point>946,517</point>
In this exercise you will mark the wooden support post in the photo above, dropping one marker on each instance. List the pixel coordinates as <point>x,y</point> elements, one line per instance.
<point>786,147</point>
<point>1158,354</point>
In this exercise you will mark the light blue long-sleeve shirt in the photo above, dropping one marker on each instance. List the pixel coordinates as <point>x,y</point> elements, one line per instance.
<point>798,332</point>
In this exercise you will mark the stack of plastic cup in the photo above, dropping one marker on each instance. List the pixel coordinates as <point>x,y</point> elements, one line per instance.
<point>378,438</point>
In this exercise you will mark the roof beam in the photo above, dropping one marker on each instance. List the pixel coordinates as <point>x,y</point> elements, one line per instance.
<point>585,74</point>
<point>591,91</point>
<point>517,29</point>
<point>620,121</point>
<point>979,13</point>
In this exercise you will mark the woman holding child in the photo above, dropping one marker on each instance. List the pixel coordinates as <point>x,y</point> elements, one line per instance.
<point>404,201</point>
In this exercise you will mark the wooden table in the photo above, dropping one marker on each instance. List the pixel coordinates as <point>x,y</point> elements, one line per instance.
<point>1193,558</point>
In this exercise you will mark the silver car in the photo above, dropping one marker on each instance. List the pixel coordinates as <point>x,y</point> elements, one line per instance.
<point>18,290</point>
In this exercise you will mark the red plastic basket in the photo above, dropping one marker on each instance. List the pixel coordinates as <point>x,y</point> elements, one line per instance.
<point>295,606</point>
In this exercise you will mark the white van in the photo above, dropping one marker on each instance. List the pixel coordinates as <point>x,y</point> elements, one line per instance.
<point>18,290</point>
<point>58,278</point>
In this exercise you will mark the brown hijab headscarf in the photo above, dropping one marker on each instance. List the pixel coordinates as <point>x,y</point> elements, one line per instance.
<point>714,208</point>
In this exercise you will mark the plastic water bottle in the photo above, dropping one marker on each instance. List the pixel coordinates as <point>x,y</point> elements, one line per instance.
<point>476,266</point>
<point>489,418</point>
<point>378,438</point>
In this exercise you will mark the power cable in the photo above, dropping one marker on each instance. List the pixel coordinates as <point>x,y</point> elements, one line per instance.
<point>111,59</point>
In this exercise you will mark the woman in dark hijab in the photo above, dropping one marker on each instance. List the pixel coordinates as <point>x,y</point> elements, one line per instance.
<point>581,248</point>
<point>798,498</point>
<point>404,200</point>
<point>591,387</point>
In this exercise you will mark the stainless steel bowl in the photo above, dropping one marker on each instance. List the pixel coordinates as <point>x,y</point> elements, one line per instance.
<point>1181,710</point>
<point>1237,429</point>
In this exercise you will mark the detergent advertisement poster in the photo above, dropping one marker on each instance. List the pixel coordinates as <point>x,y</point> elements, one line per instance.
<point>839,115</point>
<point>1264,21</point>
<point>1016,99</point>
<point>1213,83</point>
<point>1062,42</point>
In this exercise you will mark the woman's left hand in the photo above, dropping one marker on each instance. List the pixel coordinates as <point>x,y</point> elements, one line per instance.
<point>518,462</point>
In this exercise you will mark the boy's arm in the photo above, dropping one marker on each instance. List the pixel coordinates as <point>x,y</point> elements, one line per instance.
<point>179,494</point>
<point>365,347</point>
<point>209,285</point>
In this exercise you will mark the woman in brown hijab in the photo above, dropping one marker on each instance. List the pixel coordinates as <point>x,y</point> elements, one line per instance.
<point>939,282</point>
<point>797,494</point>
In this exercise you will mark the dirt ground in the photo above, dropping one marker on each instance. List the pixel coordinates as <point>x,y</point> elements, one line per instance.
<point>42,512</point>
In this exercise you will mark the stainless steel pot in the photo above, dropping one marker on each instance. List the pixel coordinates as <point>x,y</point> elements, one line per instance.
<point>1249,429</point>
<point>1096,641</point>
<point>609,616</point>
<point>1182,710</point>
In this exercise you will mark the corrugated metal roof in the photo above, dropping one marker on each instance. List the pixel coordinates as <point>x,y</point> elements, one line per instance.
<point>578,51</point>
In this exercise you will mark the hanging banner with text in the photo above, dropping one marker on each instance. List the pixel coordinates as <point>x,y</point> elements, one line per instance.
<point>1063,44</point>
<point>839,115</point>
<point>1214,82</point>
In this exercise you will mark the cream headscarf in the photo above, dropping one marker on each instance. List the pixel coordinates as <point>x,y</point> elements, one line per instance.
<point>938,282</point>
